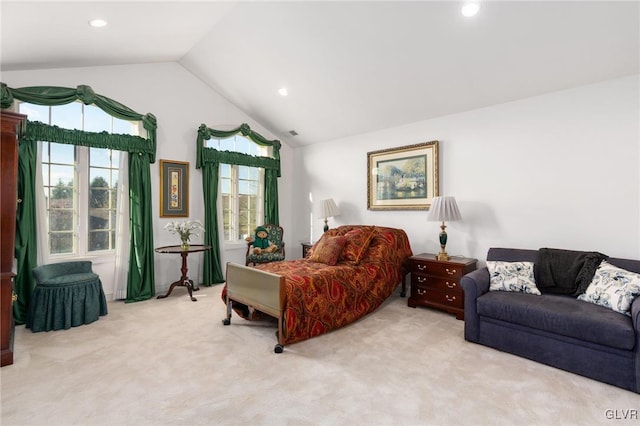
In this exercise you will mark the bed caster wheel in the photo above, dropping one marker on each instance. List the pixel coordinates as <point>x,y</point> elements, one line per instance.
<point>226,321</point>
<point>278,349</point>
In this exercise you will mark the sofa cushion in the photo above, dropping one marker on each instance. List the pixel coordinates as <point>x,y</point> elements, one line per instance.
<point>562,315</point>
<point>512,276</point>
<point>613,288</point>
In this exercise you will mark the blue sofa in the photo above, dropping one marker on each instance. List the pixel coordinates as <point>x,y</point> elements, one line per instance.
<point>556,330</point>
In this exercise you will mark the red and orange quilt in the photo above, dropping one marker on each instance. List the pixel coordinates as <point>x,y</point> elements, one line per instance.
<point>322,297</point>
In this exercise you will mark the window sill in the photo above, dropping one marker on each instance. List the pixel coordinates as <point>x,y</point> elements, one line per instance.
<point>236,245</point>
<point>95,259</point>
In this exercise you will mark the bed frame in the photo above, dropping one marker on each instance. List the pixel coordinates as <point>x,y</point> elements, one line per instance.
<point>259,290</point>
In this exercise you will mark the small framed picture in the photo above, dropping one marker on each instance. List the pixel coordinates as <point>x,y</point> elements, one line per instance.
<point>404,178</point>
<point>174,188</point>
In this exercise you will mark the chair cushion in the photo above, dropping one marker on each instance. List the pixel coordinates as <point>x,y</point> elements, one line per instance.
<point>69,279</point>
<point>562,315</point>
<point>265,257</point>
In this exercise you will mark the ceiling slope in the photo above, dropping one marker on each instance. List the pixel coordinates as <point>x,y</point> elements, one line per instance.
<point>349,67</point>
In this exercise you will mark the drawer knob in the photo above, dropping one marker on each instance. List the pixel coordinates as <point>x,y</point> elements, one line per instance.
<point>450,271</point>
<point>422,292</point>
<point>450,285</point>
<point>421,267</point>
<point>422,280</point>
<point>450,298</point>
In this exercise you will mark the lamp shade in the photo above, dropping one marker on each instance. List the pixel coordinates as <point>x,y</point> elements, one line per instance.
<point>444,209</point>
<point>328,208</point>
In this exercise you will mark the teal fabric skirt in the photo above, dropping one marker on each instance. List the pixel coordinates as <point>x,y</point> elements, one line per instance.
<point>60,305</point>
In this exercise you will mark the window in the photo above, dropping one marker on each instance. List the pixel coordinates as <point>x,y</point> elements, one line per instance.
<point>79,183</point>
<point>241,189</point>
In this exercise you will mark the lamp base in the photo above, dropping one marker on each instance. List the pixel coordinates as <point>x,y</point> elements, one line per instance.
<point>443,242</point>
<point>443,256</point>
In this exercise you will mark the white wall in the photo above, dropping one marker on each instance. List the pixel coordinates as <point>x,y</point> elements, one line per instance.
<point>558,170</point>
<point>180,103</point>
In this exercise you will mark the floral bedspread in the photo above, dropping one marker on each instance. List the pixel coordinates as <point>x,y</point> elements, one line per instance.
<point>321,298</point>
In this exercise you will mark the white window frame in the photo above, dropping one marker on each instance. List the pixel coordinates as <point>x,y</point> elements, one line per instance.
<point>234,188</point>
<point>235,203</point>
<point>81,189</point>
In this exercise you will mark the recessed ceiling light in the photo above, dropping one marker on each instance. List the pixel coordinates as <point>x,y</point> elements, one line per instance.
<point>470,9</point>
<point>98,23</point>
<point>283,91</point>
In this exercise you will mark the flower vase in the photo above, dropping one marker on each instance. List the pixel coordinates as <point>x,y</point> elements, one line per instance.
<point>184,246</point>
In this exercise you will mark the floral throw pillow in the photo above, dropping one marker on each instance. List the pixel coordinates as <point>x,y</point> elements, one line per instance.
<point>512,276</point>
<point>357,244</point>
<point>328,250</point>
<point>613,287</point>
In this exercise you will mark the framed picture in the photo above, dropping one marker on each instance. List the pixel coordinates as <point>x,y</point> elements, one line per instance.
<point>404,178</point>
<point>174,189</point>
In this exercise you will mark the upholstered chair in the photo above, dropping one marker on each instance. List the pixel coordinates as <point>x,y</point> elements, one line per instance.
<point>66,295</point>
<point>275,236</point>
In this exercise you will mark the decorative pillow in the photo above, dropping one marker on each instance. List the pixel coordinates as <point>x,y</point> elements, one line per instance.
<point>512,276</point>
<point>328,250</point>
<point>357,244</point>
<point>613,287</point>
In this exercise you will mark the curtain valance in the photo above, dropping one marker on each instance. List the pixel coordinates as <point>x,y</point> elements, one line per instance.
<point>52,95</point>
<point>212,155</point>
<point>37,131</point>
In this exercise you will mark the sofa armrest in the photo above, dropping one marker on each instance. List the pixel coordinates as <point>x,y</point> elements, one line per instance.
<point>474,285</point>
<point>635,321</point>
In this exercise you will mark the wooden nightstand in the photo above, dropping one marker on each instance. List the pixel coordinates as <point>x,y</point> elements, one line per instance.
<point>305,248</point>
<point>436,283</point>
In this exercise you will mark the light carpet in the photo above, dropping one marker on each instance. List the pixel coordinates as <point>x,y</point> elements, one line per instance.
<point>172,362</point>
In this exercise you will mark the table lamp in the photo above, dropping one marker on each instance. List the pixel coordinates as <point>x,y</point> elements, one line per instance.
<point>328,209</point>
<point>443,209</point>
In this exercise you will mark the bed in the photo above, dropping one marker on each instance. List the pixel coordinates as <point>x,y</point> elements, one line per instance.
<point>347,274</point>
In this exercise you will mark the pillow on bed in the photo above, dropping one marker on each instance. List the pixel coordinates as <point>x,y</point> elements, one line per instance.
<point>328,250</point>
<point>613,287</point>
<point>357,244</point>
<point>512,276</point>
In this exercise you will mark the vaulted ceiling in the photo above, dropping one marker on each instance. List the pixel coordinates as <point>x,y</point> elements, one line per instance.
<point>349,67</point>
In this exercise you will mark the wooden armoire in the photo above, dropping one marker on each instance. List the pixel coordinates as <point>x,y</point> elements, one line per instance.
<point>13,126</point>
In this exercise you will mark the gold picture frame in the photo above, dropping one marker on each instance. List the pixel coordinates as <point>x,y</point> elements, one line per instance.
<point>404,178</point>
<point>174,188</point>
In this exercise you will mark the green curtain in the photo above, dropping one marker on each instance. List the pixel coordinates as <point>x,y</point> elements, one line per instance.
<point>209,160</point>
<point>26,232</point>
<point>141,282</point>
<point>271,196</point>
<point>212,273</point>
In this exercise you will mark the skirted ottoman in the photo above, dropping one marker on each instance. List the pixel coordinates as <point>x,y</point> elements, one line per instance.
<point>66,295</point>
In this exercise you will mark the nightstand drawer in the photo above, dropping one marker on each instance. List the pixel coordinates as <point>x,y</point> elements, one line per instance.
<point>427,295</point>
<point>443,284</point>
<point>439,269</point>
